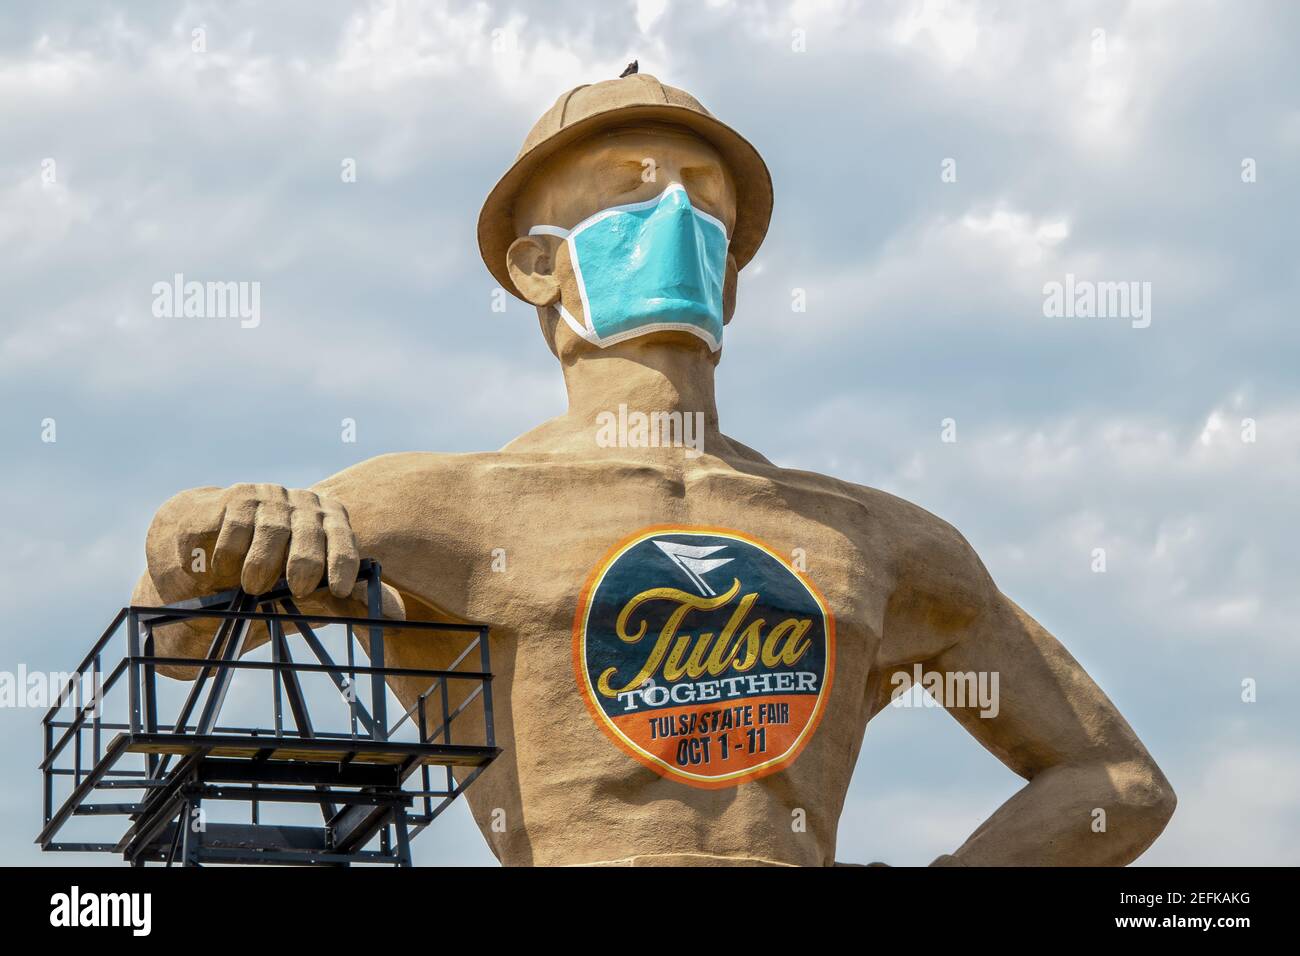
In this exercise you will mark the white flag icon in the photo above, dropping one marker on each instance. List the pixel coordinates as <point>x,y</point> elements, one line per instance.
<point>694,560</point>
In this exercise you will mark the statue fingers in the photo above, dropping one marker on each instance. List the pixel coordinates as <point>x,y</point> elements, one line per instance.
<point>239,516</point>
<point>307,551</point>
<point>266,553</point>
<point>343,558</point>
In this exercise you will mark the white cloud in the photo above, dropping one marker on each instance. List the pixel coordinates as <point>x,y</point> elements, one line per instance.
<point>946,29</point>
<point>648,13</point>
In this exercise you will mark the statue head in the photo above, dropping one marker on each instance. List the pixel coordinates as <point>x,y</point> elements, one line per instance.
<point>626,219</point>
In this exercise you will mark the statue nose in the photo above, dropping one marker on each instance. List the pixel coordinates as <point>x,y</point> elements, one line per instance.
<point>676,197</point>
<point>676,208</point>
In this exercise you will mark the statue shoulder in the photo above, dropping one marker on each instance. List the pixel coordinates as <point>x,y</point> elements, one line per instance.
<point>404,492</point>
<point>939,581</point>
<point>744,453</point>
<point>419,514</point>
<point>400,469</point>
<point>920,552</point>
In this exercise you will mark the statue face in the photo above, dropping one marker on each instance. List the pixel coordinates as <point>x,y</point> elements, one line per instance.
<point>626,165</point>
<point>616,168</point>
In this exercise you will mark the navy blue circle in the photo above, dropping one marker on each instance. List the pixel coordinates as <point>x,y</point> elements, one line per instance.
<point>780,595</point>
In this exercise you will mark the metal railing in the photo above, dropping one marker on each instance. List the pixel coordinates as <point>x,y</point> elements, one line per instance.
<point>75,727</point>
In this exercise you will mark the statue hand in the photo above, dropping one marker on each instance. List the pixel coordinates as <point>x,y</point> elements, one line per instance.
<point>254,534</point>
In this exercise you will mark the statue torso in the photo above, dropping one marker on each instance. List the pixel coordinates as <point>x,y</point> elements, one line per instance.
<point>753,756</point>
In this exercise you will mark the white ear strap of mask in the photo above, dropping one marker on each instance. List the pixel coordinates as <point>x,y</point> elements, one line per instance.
<point>561,233</point>
<point>557,231</point>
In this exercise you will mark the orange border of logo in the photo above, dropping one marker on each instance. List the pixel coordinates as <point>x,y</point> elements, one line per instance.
<point>623,744</point>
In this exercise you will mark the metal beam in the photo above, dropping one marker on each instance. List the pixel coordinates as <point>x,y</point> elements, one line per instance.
<point>334,671</point>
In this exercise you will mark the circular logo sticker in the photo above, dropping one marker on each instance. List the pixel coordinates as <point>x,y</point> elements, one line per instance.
<point>703,654</point>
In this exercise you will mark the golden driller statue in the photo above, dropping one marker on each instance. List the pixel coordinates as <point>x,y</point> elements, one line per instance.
<point>689,640</point>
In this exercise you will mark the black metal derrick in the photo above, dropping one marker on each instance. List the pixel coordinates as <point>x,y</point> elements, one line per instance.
<point>360,778</point>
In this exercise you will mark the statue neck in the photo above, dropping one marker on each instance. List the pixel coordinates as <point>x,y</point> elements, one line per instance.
<point>647,377</point>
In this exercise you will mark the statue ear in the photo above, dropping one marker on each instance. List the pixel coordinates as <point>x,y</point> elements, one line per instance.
<point>532,268</point>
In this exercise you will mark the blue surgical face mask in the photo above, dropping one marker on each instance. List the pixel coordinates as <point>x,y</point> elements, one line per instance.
<point>645,267</point>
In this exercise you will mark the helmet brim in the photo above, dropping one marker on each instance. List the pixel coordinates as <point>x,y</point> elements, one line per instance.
<point>496,224</point>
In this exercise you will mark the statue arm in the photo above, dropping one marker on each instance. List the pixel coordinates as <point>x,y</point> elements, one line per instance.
<point>1094,796</point>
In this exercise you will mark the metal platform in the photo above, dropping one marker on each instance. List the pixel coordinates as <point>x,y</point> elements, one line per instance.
<point>373,783</point>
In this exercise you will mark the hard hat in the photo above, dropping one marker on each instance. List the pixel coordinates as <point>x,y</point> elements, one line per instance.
<point>632,99</point>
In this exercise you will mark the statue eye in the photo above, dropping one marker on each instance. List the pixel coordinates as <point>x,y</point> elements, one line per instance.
<point>621,178</point>
<point>706,186</point>
<point>636,174</point>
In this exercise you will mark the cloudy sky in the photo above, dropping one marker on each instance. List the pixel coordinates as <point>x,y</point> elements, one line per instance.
<point>1150,142</point>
